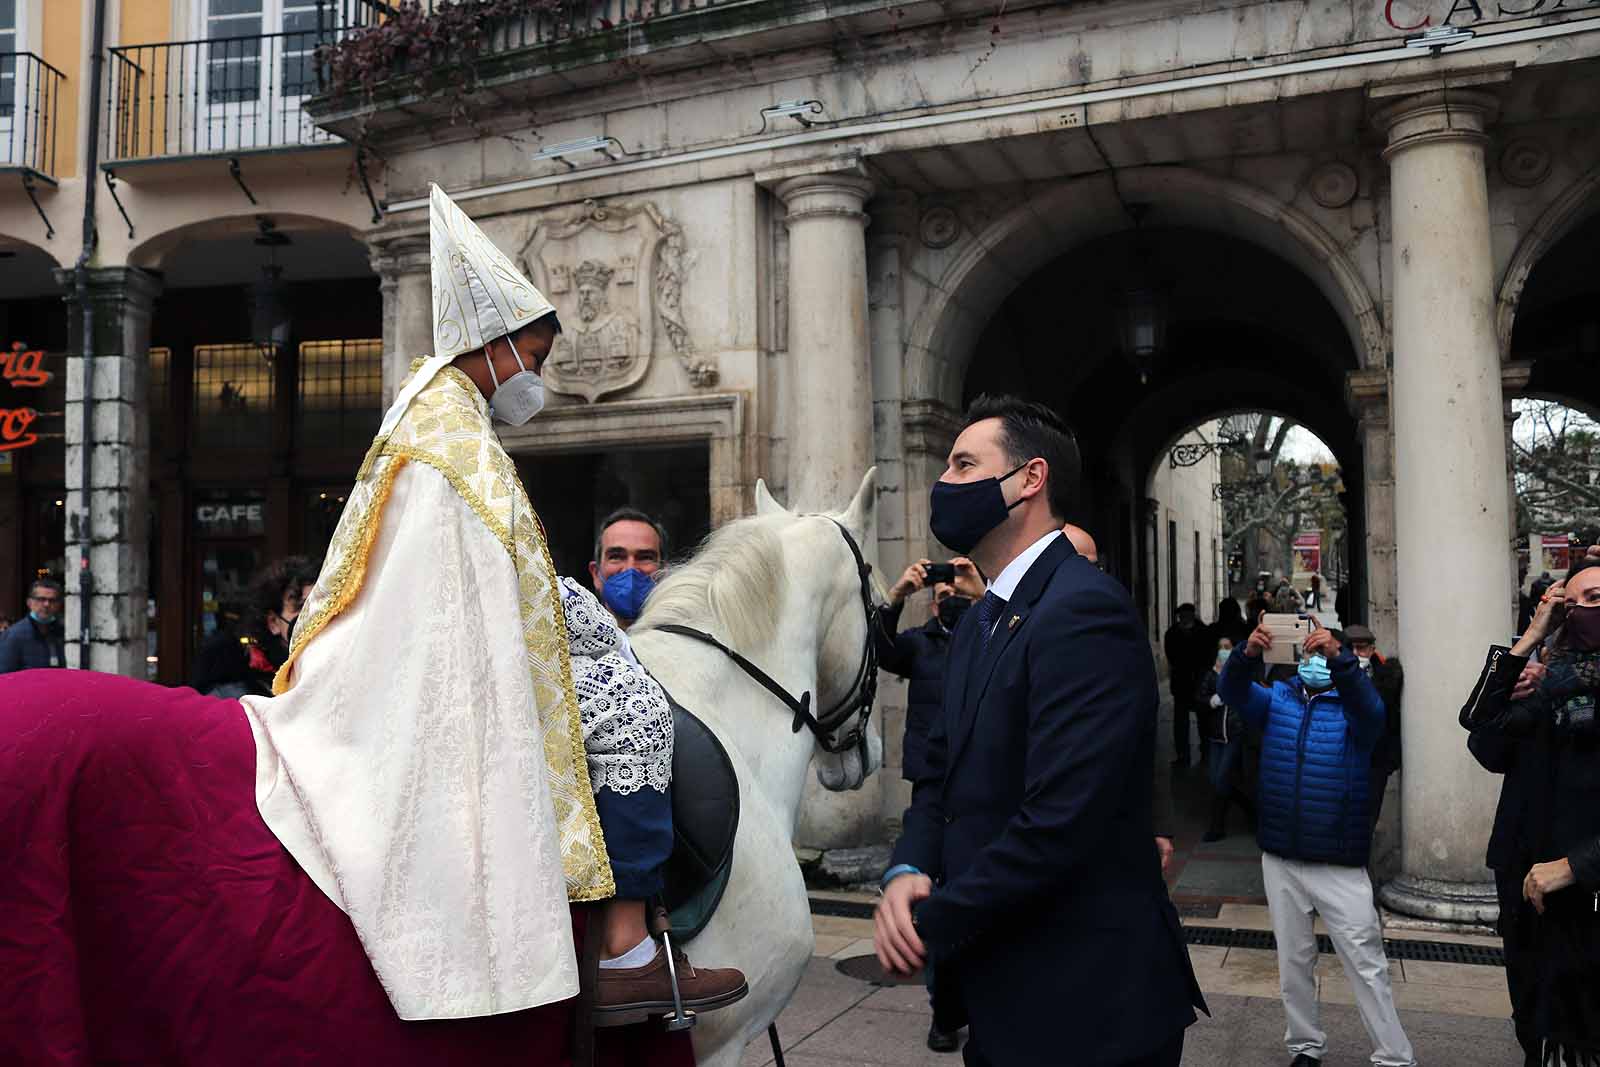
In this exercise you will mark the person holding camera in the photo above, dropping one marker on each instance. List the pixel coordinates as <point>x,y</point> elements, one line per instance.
<point>1547,845</point>
<point>918,655</point>
<point>1318,732</point>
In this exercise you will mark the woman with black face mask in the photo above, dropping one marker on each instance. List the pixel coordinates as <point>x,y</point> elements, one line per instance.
<point>1551,917</point>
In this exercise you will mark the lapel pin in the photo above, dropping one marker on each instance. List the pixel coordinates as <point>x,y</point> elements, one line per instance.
<point>1012,625</point>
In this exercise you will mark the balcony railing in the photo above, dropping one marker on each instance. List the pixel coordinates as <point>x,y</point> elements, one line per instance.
<point>30,97</point>
<point>544,22</point>
<point>216,97</point>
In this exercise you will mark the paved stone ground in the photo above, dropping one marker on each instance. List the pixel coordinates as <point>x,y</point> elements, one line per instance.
<point>835,1021</point>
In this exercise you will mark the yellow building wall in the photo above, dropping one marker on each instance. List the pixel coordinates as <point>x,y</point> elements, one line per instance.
<point>145,22</point>
<point>61,43</point>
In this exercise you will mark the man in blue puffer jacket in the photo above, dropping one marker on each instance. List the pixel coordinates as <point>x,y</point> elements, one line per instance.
<point>1318,731</point>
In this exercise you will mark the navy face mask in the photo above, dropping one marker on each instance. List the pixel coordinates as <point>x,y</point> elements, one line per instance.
<point>625,592</point>
<point>962,513</point>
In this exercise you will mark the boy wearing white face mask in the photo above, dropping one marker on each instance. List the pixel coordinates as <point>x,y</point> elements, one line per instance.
<point>1318,733</point>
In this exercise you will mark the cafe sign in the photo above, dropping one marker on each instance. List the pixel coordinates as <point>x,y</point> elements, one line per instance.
<point>21,368</point>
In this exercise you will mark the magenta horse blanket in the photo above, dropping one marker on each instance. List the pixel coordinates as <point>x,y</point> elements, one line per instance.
<point>149,917</point>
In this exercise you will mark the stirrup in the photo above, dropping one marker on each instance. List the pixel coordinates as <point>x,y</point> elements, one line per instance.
<point>681,1018</point>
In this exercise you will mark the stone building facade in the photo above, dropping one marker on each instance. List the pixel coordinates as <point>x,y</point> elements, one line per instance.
<point>790,240</point>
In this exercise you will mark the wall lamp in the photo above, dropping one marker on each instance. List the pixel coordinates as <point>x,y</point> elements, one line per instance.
<point>560,152</point>
<point>1437,38</point>
<point>794,109</point>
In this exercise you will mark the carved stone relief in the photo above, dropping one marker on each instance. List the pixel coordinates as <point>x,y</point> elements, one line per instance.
<point>613,271</point>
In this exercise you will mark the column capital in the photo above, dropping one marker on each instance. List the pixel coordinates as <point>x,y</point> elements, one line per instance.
<point>1514,377</point>
<point>1437,115</point>
<point>821,195</point>
<point>132,285</point>
<point>929,427</point>
<point>399,255</point>
<point>1366,393</point>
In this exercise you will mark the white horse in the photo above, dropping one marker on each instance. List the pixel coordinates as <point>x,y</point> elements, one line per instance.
<point>783,591</point>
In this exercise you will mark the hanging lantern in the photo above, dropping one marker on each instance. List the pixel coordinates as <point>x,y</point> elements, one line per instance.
<point>1142,312</point>
<point>269,297</point>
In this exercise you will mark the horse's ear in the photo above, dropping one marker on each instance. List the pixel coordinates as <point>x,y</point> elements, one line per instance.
<point>765,504</point>
<point>864,506</point>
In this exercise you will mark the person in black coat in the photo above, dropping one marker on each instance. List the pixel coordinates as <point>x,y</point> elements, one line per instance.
<point>1539,727</point>
<point>1025,869</point>
<point>918,654</point>
<point>37,639</point>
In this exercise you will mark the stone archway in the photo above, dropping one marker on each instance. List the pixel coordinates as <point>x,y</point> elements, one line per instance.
<point>1577,203</point>
<point>970,284</point>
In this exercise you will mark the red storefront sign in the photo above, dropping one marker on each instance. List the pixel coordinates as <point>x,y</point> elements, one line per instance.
<point>21,368</point>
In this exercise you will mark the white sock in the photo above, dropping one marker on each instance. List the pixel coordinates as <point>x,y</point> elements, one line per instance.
<point>637,956</point>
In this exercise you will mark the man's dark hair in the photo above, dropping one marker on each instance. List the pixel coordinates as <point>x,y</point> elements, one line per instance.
<point>1181,608</point>
<point>629,515</point>
<point>275,583</point>
<point>44,583</point>
<point>1030,430</point>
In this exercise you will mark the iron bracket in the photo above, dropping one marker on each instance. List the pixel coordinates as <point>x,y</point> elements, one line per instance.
<point>366,185</point>
<point>233,169</point>
<point>111,186</point>
<point>27,184</point>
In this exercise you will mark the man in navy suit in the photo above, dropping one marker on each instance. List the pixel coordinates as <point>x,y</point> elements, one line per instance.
<point>1025,869</point>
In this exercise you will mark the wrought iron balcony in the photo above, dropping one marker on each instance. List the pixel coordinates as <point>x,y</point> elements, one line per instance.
<point>223,96</point>
<point>30,97</point>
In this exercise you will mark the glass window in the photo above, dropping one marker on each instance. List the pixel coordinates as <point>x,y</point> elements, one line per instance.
<point>300,45</point>
<point>234,391</point>
<point>233,67</point>
<point>160,390</point>
<point>340,400</point>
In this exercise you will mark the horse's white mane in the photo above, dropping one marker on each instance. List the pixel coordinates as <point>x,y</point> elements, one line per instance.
<point>728,587</point>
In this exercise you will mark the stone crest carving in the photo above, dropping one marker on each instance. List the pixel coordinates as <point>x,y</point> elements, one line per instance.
<point>1525,162</point>
<point>1333,185</point>
<point>613,272</point>
<point>939,227</point>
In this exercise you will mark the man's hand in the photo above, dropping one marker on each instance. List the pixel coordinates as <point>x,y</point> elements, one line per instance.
<point>915,577</point>
<point>899,949</point>
<point>1546,878</point>
<point>969,583</point>
<point>1321,640</point>
<point>1260,640</point>
<point>1164,850</point>
<point>1529,681</point>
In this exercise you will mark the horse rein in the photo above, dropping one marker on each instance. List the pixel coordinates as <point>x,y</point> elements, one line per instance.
<point>863,691</point>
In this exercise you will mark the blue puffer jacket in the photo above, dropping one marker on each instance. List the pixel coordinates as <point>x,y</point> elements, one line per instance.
<point>1315,751</point>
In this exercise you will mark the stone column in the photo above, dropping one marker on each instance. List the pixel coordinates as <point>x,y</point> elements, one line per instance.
<point>108,519</point>
<point>1451,510</point>
<point>406,284</point>
<point>830,384</point>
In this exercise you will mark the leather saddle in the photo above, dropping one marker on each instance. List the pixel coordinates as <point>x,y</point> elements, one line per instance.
<point>705,821</point>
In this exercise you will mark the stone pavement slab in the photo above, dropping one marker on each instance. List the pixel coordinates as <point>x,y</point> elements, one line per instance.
<point>1452,1012</point>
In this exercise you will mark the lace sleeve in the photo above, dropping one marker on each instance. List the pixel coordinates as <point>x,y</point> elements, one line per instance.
<point>627,722</point>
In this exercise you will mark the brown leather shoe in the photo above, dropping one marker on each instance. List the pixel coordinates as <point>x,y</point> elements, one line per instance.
<point>632,994</point>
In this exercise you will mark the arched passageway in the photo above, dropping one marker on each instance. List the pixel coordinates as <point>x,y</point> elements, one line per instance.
<point>1244,330</point>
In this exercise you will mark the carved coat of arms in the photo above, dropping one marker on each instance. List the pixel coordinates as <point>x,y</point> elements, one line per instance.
<point>612,272</point>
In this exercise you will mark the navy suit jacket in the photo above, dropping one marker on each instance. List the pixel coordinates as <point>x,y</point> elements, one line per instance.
<point>1049,923</point>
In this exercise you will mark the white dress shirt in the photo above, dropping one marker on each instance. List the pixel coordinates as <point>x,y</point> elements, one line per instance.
<point>1005,584</point>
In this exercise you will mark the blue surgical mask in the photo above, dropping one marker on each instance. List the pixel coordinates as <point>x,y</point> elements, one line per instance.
<point>625,592</point>
<point>42,620</point>
<point>1314,672</point>
<point>518,398</point>
<point>961,514</point>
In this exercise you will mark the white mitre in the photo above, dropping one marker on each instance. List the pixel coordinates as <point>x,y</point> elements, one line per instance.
<point>478,294</point>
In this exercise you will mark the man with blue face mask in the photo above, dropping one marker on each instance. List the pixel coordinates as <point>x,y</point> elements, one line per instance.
<point>1318,731</point>
<point>628,556</point>
<point>36,640</point>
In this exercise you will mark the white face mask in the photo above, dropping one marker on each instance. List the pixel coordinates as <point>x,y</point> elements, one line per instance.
<point>521,396</point>
<point>1365,661</point>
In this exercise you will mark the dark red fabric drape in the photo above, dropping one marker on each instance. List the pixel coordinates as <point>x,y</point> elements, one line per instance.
<point>148,916</point>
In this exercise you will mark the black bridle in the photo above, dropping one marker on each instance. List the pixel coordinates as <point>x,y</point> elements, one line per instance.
<point>863,691</point>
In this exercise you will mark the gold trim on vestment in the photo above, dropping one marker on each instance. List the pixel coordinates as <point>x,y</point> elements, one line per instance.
<point>447,428</point>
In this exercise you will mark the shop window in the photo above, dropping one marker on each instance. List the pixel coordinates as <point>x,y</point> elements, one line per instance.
<point>233,396</point>
<point>323,506</point>
<point>160,388</point>
<point>341,393</point>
